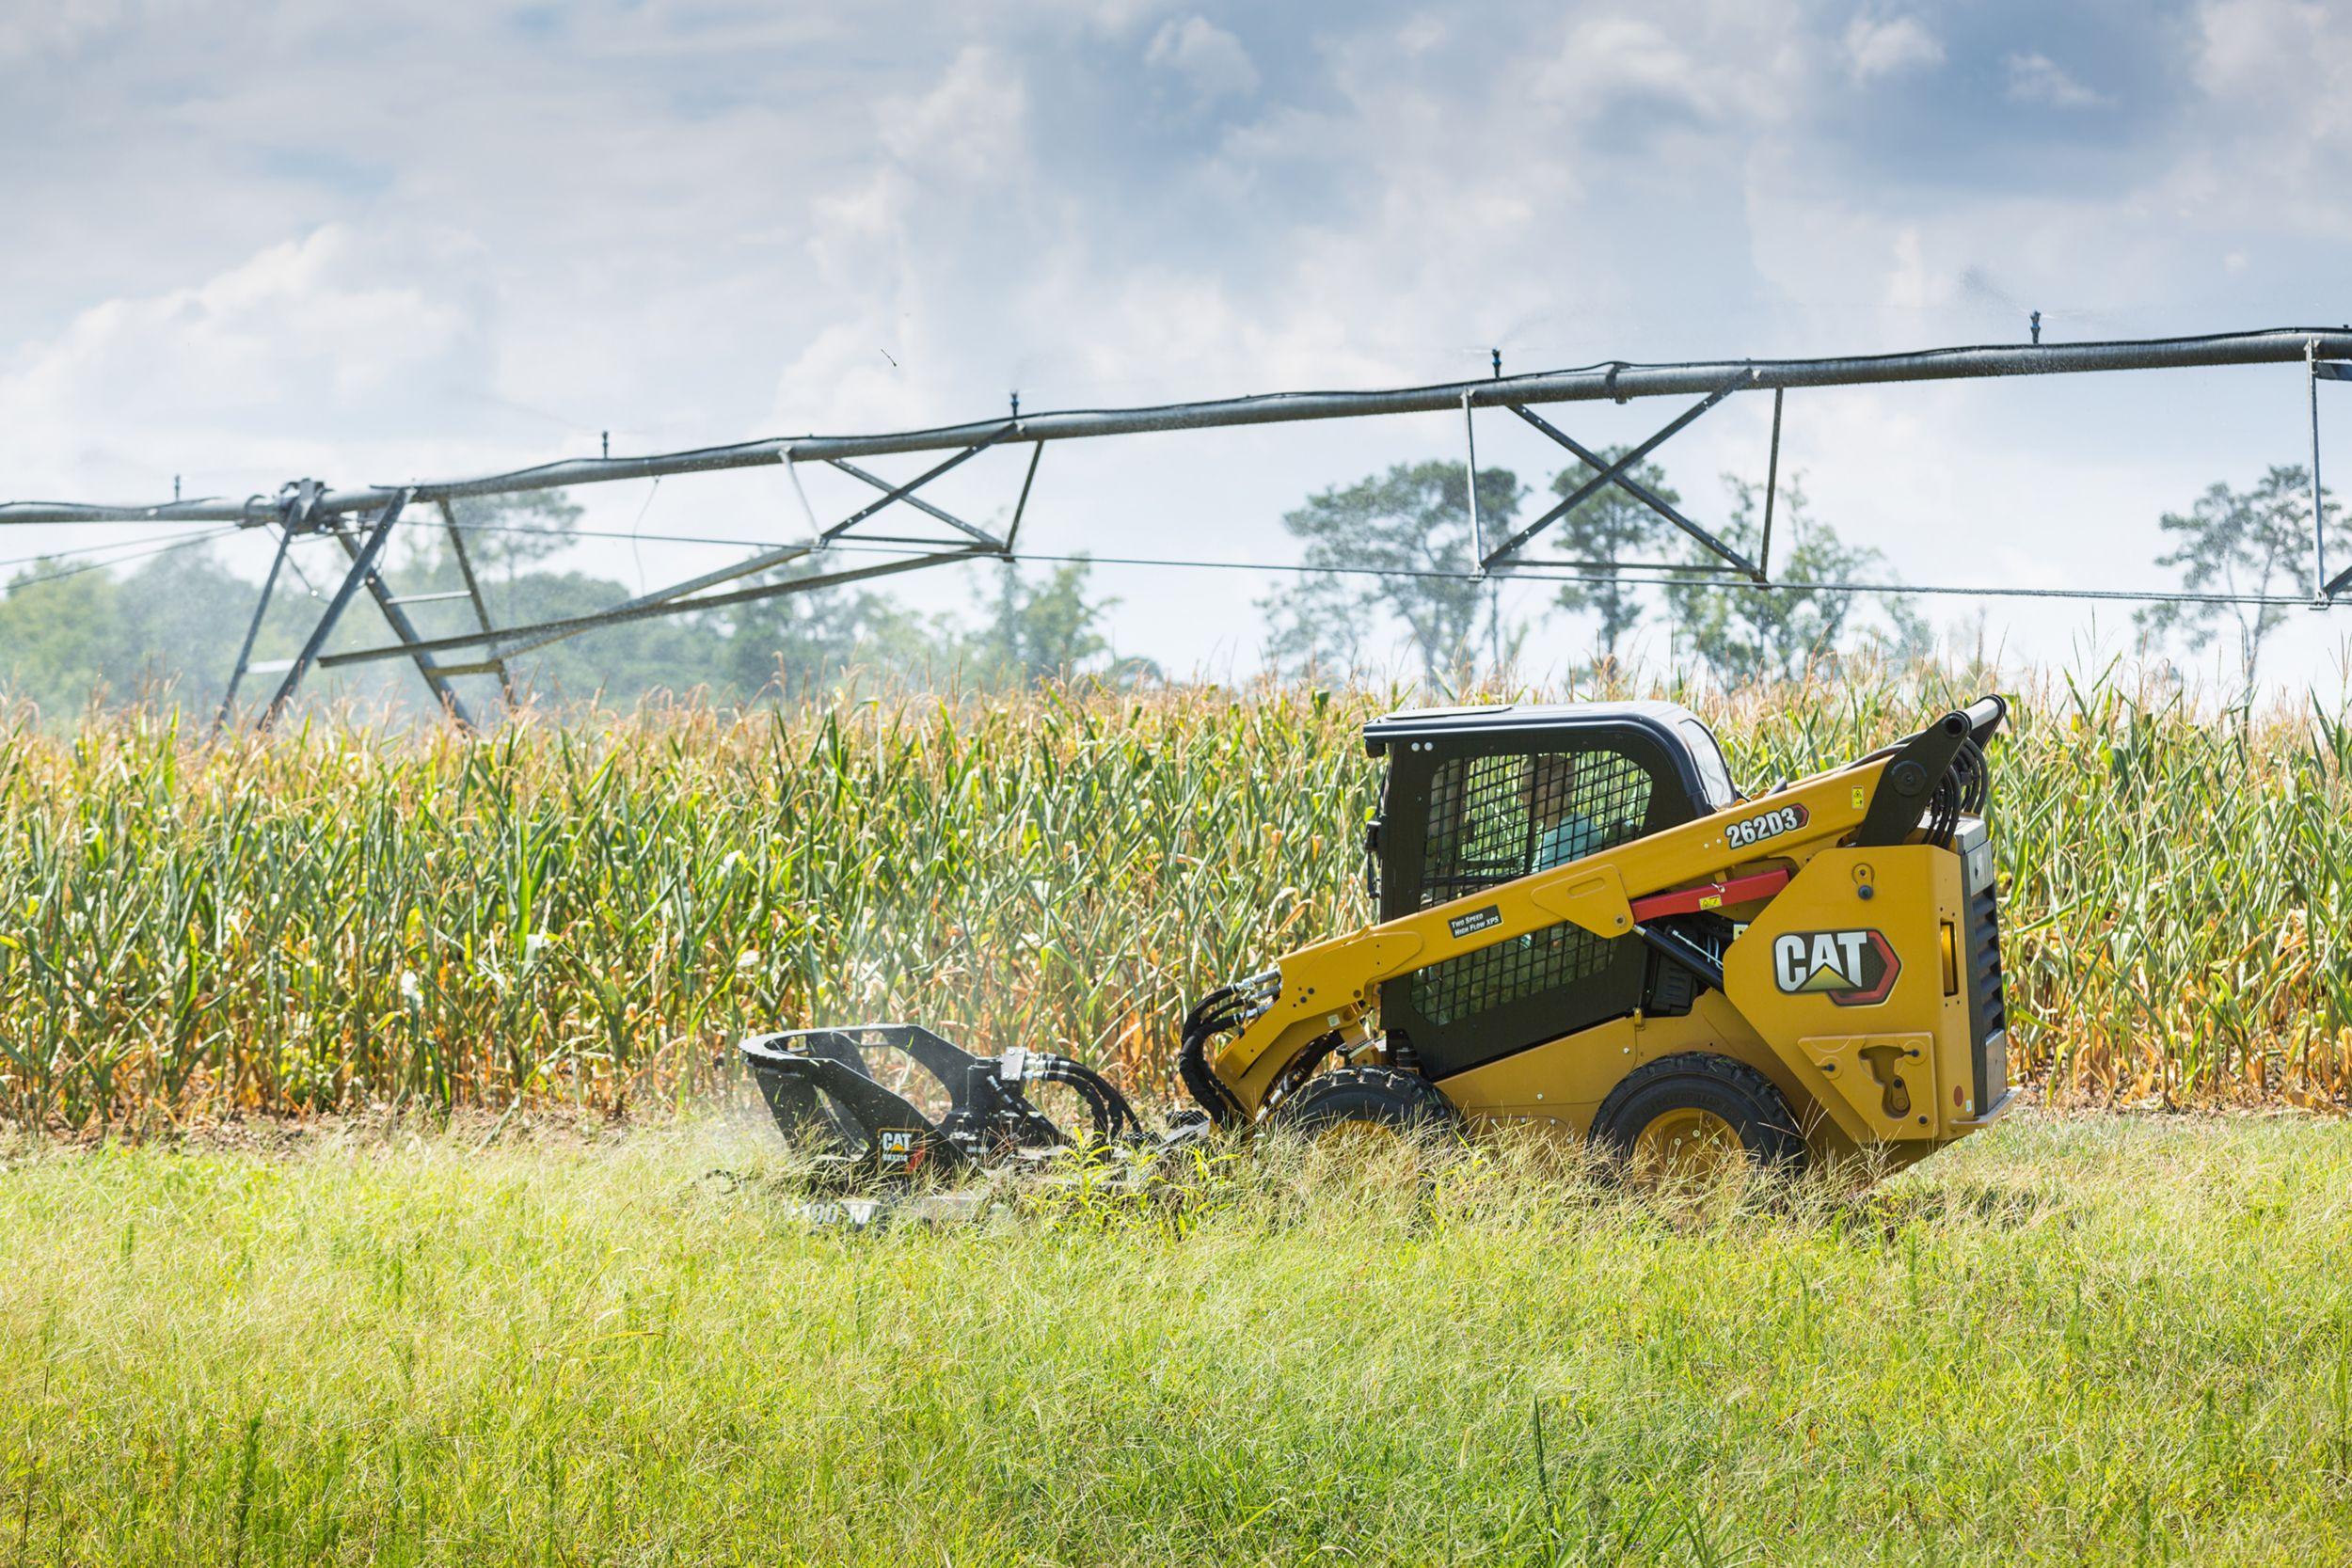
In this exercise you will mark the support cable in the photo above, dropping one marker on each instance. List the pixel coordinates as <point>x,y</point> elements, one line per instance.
<point>133,549</point>
<point>1571,573</point>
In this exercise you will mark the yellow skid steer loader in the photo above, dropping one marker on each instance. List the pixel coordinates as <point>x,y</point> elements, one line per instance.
<point>1582,924</point>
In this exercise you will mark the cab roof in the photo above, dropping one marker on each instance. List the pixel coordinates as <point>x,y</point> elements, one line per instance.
<point>1660,719</point>
<point>1687,743</point>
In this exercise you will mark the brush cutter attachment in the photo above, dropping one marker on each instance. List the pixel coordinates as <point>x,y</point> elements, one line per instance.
<point>853,1096</point>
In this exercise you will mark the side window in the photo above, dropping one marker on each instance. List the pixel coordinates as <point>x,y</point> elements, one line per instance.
<point>1713,772</point>
<point>1492,818</point>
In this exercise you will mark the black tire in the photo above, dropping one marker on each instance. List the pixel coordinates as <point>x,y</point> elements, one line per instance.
<point>1372,1096</point>
<point>1757,1112</point>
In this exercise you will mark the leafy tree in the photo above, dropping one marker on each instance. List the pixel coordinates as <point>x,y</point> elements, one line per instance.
<point>1039,629</point>
<point>796,643</point>
<point>1611,525</point>
<point>1413,521</point>
<point>55,632</point>
<point>169,628</point>
<point>1907,638</point>
<point>2252,542</point>
<point>619,663</point>
<point>1744,632</point>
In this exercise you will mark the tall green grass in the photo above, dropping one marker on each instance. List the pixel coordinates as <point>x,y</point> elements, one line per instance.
<point>2079,1340</point>
<point>593,909</point>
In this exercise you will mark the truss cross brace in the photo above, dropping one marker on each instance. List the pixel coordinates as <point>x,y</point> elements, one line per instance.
<point>555,632</point>
<point>903,492</point>
<point>363,561</point>
<point>1620,474</point>
<point>405,629</point>
<point>676,598</point>
<point>919,504</point>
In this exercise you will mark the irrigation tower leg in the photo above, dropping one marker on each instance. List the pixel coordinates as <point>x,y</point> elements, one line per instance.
<point>481,610</point>
<point>244,649</point>
<point>362,564</point>
<point>405,629</point>
<point>2319,536</point>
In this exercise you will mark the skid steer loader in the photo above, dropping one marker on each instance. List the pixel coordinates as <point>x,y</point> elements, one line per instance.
<point>1582,924</point>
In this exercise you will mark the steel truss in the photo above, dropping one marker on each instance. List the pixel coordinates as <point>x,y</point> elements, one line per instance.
<point>300,513</point>
<point>362,519</point>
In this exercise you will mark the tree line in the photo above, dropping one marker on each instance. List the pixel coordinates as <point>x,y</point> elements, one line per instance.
<point>168,629</point>
<point>1393,550</point>
<point>1384,566</point>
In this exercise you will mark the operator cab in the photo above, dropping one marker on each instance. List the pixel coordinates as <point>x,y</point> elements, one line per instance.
<point>1480,795</point>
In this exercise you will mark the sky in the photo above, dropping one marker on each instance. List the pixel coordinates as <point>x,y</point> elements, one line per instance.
<point>249,243</point>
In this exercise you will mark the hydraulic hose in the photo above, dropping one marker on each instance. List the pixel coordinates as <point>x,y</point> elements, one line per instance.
<point>1212,1015</point>
<point>1965,787</point>
<point>1114,1119</point>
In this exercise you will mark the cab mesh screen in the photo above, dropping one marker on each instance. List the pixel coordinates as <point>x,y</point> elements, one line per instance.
<point>1509,971</point>
<point>1494,818</point>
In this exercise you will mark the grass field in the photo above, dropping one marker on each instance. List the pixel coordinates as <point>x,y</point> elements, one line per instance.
<point>593,910</point>
<point>2105,1339</point>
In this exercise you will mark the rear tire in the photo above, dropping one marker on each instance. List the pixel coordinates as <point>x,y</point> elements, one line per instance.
<point>1369,1098</point>
<point>1694,1099</point>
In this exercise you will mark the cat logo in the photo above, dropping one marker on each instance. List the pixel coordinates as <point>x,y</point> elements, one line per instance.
<point>899,1150</point>
<point>1854,969</point>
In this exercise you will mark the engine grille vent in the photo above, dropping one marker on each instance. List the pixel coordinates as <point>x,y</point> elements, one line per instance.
<point>1988,1009</point>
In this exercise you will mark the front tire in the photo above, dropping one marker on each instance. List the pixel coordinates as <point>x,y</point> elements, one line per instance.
<point>1690,1113</point>
<point>1365,1100</point>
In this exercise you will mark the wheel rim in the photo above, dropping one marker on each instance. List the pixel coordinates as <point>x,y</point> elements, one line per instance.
<point>1356,1133</point>
<point>1688,1142</point>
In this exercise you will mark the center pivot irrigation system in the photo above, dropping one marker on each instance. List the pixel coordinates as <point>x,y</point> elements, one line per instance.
<point>361,521</point>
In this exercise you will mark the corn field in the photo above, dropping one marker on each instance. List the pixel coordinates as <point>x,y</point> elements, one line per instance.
<point>592,909</point>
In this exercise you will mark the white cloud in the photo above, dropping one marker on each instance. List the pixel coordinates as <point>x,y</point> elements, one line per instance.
<point>895,251</point>
<point>1895,47</point>
<point>1910,285</point>
<point>1422,32</point>
<point>1113,18</point>
<point>2037,79</point>
<point>2260,46</point>
<point>1614,58</point>
<point>971,124</point>
<point>1207,56</point>
<point>358,355</point>
<point>2279,71</point>
<point>58,27</point>
<point>335,323</point>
